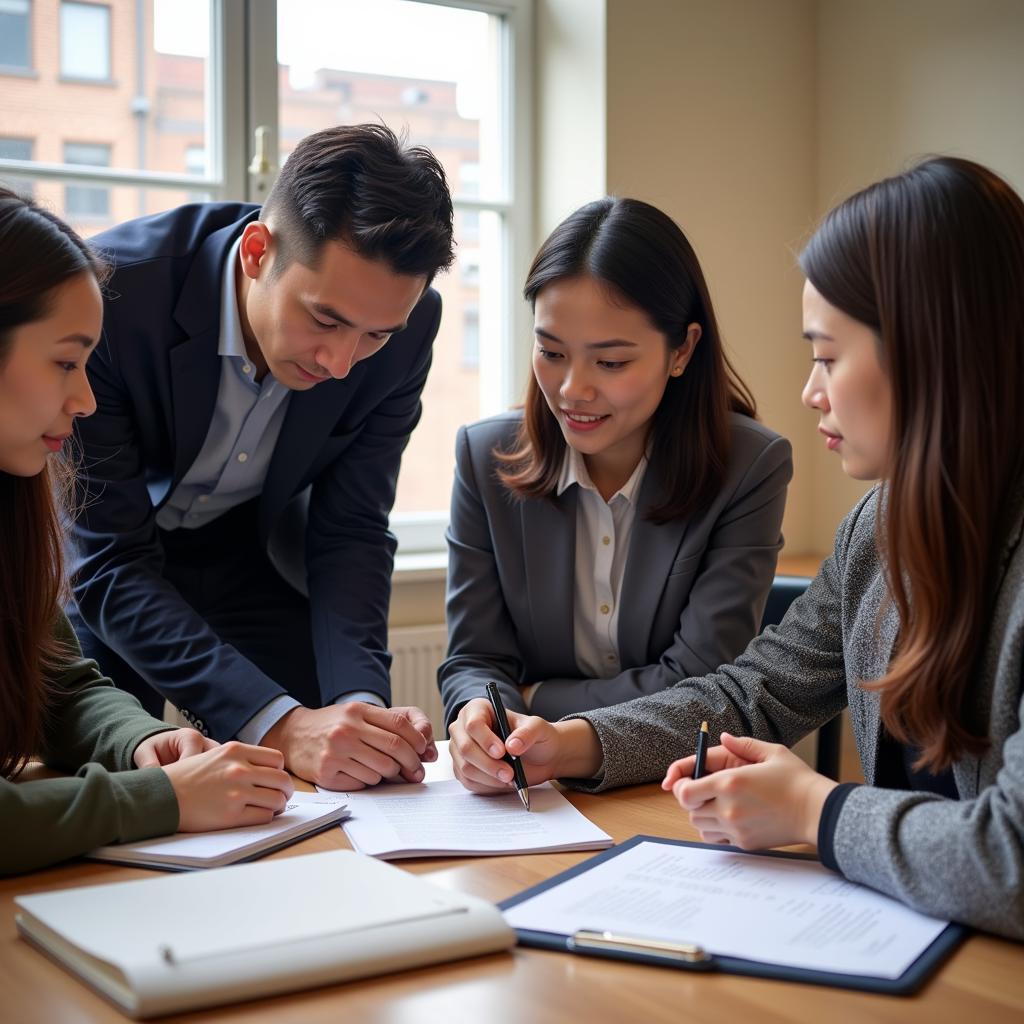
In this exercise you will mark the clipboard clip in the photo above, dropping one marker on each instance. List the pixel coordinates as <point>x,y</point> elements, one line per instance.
<point>592,941</point>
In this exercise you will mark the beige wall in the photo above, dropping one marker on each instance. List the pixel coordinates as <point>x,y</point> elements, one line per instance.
<point>897,81</point>
<point>708,111</point>
<point>711,117</point>
<point>746,120</point>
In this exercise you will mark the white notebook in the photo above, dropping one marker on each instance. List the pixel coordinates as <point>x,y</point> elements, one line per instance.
<point>305,814</point>
<point>179,942</point>
<point>440,818</point>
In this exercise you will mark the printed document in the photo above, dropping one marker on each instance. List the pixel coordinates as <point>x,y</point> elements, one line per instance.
<point>439,817</point>
<point>767,909</point>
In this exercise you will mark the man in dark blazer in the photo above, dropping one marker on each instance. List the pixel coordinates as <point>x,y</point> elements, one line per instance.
<point>233,553</point>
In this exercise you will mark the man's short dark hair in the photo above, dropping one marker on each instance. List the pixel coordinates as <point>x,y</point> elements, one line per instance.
<point>364,186</point>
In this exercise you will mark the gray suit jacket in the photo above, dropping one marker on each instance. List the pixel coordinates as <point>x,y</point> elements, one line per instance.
<point>962,859</point>
<point>692,594</point>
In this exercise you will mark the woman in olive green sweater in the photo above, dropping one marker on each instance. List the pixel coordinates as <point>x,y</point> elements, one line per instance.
<point>135,776</point>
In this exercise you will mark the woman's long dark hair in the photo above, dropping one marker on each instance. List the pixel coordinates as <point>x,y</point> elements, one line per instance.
<point>38,253</point>
<point>641,255</point>
<point>933,261</point>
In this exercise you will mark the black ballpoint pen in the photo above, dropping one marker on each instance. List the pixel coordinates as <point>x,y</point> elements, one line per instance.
<point>699,766</point>
<point>501,719</point>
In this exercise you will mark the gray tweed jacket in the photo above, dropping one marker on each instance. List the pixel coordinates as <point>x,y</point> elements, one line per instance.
<point>962,859</point>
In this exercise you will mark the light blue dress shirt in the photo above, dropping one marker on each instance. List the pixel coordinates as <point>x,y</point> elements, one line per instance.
<point>232,464</point>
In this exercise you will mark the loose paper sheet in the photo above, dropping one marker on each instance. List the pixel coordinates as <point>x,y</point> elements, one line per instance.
<point>439,816</point>
<point>767,909</point>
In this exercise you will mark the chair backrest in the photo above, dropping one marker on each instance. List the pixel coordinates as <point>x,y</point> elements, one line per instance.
<point>785,590</point>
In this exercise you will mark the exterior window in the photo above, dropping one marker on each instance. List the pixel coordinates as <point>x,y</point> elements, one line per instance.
<point>470,338</point>
<point>195,160</point>
<point>443,73</point>
<point>87,202</point>
<point>195,163</point>
<point>469,187</point>
<point>16,149</point>
<point>85,41</point>
<point>15,45</point>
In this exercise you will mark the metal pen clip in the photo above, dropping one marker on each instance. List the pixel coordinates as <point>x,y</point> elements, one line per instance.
<point>683,952</point>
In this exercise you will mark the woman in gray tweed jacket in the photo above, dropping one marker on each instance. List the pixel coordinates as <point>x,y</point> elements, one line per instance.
<point>914,310</point>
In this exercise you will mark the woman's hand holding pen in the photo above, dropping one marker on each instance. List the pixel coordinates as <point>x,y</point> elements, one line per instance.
<point>547,750</point>
<point>754,795</point>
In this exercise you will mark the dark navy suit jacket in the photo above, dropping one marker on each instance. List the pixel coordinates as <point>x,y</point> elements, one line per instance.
<point>330,485</point>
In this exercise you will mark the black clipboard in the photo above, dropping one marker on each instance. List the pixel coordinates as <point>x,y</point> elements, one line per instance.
<point>670,955</point>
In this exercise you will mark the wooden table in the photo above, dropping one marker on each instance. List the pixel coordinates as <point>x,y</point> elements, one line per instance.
<point>982,983</point>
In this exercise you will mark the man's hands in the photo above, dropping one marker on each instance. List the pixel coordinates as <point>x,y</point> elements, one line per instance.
<point>349,746</point>
<point>755,794</point>
<point>547,750</point>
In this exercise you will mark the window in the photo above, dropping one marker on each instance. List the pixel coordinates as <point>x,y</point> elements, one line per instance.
<point>160,139</point>
<point>16,149</point>
<point>195,160</point>
<point>15,45</point>
<point>196,79</point>
<point>469,187</point>
<point>85,41</point>
<point>453,76</point>
<point>195,163</point>
<point>87,202</point>
<point>471,338</point>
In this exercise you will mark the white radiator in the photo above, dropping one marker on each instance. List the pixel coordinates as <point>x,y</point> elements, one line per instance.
<point>416,652</point>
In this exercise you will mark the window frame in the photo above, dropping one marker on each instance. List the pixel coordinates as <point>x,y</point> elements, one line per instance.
<point>502,378</point>
<point>241,94</point>
<point>225,130</point>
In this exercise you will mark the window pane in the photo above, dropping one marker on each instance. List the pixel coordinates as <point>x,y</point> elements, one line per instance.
<point>470,321</point>
<point>149,128</point>
<point>85,41</point>
<point>429,69</point>
<point>433,72</point>
<point>16,149</point>
<point>14,34</point>
<point>89,202</point>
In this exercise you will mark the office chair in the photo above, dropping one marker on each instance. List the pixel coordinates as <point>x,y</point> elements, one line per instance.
<point>785,589</point>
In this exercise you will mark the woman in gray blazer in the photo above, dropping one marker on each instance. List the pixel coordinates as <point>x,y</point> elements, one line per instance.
<point>914,310</point>
<point>622,530</point>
